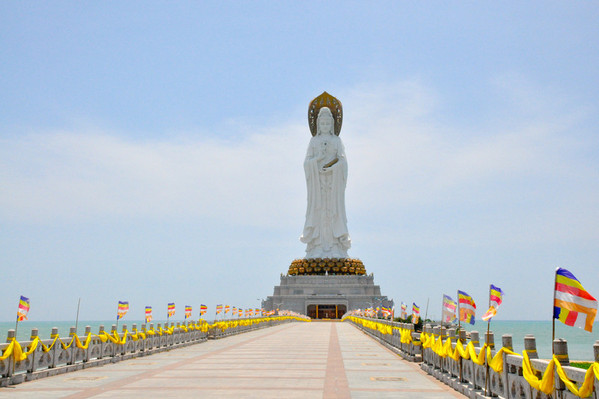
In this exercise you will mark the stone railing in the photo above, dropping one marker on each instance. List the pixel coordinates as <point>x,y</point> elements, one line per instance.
<point>480,371</point>
<point>400,337</point>
<point>37,358</point>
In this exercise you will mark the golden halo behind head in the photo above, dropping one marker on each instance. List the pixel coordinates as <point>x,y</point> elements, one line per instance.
<point>325,100</point>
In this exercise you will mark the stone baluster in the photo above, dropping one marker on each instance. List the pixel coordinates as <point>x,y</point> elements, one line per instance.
<point>55,349</point>
<point>102,344</point>
<point>560,351</point>
<point>443,335</point>
<point>507,342</point>
<point>596,351</point>
<point>88,351</point>
<point>463,337</point>
<point>144,343</point>
<point>490,339</point>
<point>490,342</point>
<point>475,338</point>
<point>73,348</point>
<point>10,364</point>
<point>10,336</point>
<point>113,332</point>
<point>33,356</point>
<point>450,362</point>
<point>530,346</point>
<point>434,358</point>
<point>410,328</point>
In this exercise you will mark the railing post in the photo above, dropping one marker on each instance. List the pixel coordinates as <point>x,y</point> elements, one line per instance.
<point>33,356</point>
<point>144,344</point>
<point>490,339</point>
<point>490,342</point>
<point>462,335</point>
<point>475,339</point>
<point>114,345</point>
<point>443,332</point>
<point>10,360</point>
<point>507,343</point>
<point>435,359</point>
<point>124,347</point>
<point>560,351</point>
<point>86,356</point>
<point>102,343</point>
<point>56,348</point>
<point>451,364</point>
<point>530,346</point>
<point>73,347</point>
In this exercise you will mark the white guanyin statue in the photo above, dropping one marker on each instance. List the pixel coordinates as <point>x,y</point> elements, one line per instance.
<point>325,231</point>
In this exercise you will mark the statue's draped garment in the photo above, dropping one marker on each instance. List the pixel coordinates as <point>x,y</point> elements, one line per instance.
<point>325,231</point>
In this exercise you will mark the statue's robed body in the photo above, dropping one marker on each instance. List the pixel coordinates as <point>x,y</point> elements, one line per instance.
<point>325,230</point>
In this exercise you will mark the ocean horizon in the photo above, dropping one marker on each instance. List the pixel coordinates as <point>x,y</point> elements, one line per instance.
<point>580,342</point>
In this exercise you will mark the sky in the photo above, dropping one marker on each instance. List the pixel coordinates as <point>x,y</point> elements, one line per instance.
<point>152,151</point>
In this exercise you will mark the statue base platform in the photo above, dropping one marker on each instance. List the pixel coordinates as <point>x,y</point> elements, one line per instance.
<point>326,296</point>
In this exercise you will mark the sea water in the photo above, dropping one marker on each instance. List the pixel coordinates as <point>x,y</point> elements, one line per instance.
<point>580,342</point>
<point>45,327</point>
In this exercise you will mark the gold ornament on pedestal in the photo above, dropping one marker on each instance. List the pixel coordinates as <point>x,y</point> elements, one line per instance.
<point>339,267</point>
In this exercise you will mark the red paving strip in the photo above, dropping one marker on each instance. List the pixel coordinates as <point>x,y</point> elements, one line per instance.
<point>120,384</point>
<point>336,384</point>
<point>224,377</point>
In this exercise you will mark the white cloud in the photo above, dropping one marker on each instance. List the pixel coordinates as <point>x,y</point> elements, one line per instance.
<point>400,159</point>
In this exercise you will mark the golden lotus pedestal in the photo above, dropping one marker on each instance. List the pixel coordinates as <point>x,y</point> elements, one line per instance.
<point>327,266</point>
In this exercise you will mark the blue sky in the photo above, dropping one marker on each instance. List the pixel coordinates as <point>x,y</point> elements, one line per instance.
<point>152,152</point>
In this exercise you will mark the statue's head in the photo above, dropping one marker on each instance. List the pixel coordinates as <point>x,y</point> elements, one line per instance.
<point>325,123</point>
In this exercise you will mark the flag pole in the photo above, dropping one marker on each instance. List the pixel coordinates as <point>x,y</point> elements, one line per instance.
<point>17,321</point>
<point>77,318</point>
<point>459,329</point>
<point>426,311</point>
<point>553,312</point>
<point>486,338</point>
<point>442,299</point>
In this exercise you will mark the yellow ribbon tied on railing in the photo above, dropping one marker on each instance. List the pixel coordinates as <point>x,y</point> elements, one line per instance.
<point>587,386</point>
<point>86,344</point>
<point>545,384</point>
<point>477,359</point>
<point>496,362</point>
<point>15,349</point>
<point>405,336</point>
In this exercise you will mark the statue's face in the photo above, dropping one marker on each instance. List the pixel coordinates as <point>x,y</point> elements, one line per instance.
<point>325,124</point>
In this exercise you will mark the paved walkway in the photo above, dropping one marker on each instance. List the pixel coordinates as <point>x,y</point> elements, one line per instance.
<point>296,360</point>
